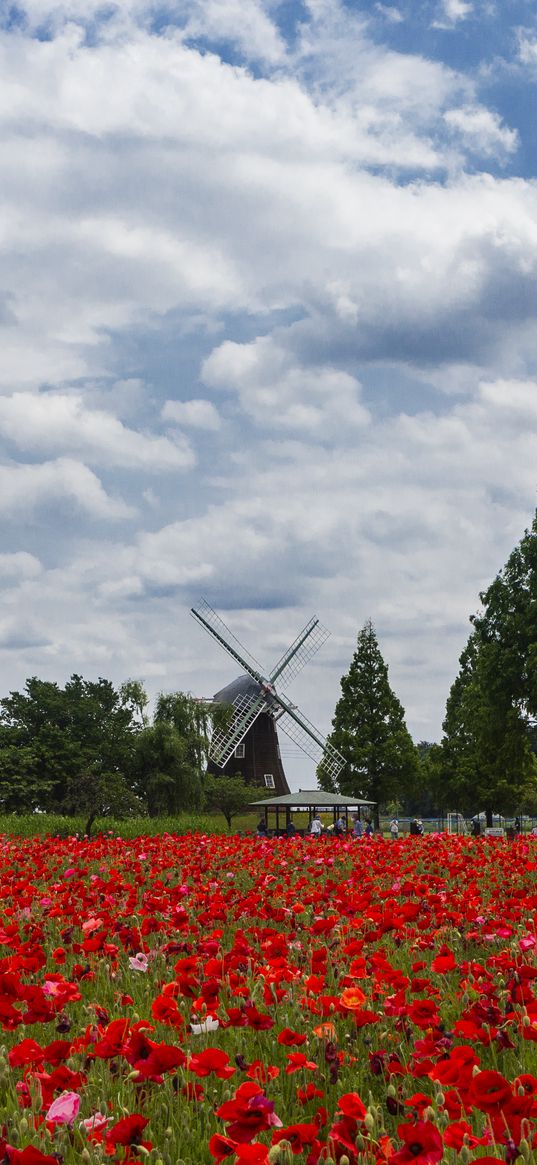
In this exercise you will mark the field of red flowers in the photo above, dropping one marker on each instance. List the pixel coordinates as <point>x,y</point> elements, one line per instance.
<point>201,999</point>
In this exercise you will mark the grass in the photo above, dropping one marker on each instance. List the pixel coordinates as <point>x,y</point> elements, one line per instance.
<point>52,825</point>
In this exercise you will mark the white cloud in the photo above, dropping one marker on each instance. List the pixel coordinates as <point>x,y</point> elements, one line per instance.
<point>482,130</point>
<point>26,488</point>
<point>244,23</point>
<point>451,12</point>
<point>278,394</point>
<point>55,423</point>
<point>18,566</point>
<point>527,48</point>
<point>390,13</point>
<point>195,414</point>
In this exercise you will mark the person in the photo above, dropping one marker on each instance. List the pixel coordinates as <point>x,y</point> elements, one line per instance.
<point>534,831</point>
<point>290,830</point>
<point>476,826</point>
<point>356,826</point>
<point>394,827</point>
<point>369,828</point>
<point>316,827</point>
<point>339,827</point>
<point>419,825</point>
<point>518,826</point>
<point>262,828</point>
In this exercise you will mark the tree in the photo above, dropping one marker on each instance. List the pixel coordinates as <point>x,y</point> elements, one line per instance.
<point>134,696</point>
<point>487,758</point>
<point>228,794</point>
<point>369,731</point>
<point>192,720</point>
<point>165,776</point>
<point>60,748</point>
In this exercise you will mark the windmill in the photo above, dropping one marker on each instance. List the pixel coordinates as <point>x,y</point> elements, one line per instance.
<point>249,743</point>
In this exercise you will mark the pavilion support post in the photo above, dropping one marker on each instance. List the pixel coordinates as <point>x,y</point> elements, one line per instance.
<point>277,819</point>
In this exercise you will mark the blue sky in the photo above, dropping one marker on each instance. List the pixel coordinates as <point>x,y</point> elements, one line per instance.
<point>268,305</point>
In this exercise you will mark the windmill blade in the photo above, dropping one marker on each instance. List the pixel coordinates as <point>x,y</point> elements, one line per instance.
<point>217,628</point>
<point>299,653</point>
<point>246,709</point>
<point>309,739</point>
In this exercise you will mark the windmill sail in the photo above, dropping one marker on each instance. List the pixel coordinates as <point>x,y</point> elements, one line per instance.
<point>311,741</point>
<point>216,626</point>
<point>299,653</point>
<point>246,709</point>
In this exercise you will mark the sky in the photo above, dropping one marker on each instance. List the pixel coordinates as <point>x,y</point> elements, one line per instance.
<point>268,309</point>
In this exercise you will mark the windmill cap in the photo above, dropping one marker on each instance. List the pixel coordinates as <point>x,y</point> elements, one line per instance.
<point>242,686</point>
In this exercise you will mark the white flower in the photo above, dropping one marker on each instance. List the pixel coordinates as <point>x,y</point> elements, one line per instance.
<point>209,1025</point>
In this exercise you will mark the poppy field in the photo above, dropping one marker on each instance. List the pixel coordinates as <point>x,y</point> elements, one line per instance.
<point>203,999</point>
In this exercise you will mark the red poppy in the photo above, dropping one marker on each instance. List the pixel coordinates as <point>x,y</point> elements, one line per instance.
<point>128,1130</point>
<point>29,1156</point>
<point>290,1038</point>
<point>299,1136</point>
<point>211,1060</point>
<point>490,1091</point>
<point>423,1144</point>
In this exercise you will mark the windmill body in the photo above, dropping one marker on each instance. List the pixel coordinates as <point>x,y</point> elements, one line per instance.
<point>249,743</point>
<point>257,757</point>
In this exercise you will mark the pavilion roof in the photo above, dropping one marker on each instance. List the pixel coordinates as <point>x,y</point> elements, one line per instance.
<point>310,799</point>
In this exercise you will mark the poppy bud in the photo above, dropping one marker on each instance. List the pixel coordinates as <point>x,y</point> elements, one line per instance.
<point>344,1160</point>
<point>464,1155</point>
<point>369,1121</point>
<point>274,1154</point>
<point>85,1155</point>
<point>524,1149</point>
<point>23,1125</point>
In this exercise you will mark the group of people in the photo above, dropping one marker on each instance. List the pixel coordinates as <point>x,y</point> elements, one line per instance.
<point>316,828</point>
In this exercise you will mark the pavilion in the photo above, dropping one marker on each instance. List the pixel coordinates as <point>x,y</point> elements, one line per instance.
<point>314,801</point>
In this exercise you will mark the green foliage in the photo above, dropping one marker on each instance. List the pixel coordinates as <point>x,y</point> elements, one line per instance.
<point>230,795</point>
<point>165,774</point>
<point>62,748</point>
<point>369,730</point>
<point>134,696</point>
<point>488,761</point>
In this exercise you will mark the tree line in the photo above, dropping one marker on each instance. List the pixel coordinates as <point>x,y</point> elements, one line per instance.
<point>486,759</point>
<point>90,748</point>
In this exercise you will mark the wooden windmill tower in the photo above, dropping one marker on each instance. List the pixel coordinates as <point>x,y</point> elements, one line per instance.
<point>249,745</point>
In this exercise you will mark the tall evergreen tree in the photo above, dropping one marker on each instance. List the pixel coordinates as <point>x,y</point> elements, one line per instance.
<point>369,730</point>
